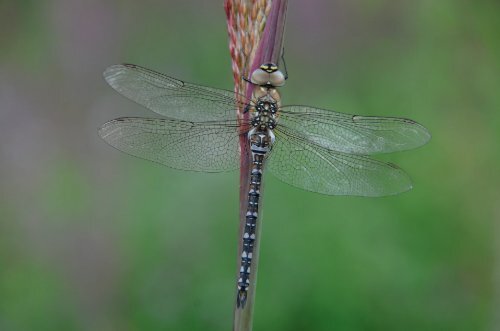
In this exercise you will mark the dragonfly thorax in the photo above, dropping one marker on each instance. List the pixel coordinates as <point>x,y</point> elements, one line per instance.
<point>265,109</point>
<point>264,122</point>
<point>265,115</point>
<point>266,106</point>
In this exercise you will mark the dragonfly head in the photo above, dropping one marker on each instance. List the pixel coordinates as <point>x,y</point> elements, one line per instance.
<point>269,67</point>
<point>268,75</point>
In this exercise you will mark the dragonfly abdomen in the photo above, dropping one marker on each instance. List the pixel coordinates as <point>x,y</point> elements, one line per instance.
<point>260,144</point>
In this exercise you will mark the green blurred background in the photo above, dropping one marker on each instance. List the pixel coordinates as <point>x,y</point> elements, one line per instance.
<point>92,239</point>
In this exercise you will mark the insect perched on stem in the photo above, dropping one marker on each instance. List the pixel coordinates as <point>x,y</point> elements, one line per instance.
<point>310,148</point>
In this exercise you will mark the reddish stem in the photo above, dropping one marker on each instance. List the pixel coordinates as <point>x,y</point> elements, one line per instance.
<point>250,47</point>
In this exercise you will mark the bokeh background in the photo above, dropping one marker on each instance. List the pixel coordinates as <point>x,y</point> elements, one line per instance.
<point>93,239</point>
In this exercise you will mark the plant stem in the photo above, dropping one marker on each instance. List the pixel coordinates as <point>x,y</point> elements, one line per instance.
<point>256,30</point>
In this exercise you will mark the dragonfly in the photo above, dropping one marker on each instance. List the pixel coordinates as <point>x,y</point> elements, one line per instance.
<point>310,148</point>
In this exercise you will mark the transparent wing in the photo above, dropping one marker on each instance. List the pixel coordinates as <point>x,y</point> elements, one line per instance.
<point>171,97</point>
<point>353,133</point>
<point>210,147</point>
<point>314,168</point>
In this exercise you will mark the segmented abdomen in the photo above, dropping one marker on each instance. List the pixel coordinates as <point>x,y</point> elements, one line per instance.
<point>259,148</point>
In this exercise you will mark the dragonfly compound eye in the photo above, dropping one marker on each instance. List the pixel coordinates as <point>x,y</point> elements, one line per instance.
<point>277,78</point>
<point>262,75</point>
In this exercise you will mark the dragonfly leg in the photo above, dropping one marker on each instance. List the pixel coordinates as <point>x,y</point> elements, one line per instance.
<point>284,63</point>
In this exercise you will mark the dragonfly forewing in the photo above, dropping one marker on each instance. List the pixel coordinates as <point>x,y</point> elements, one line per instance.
<point>172,97</point>
<point>354,134</point>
